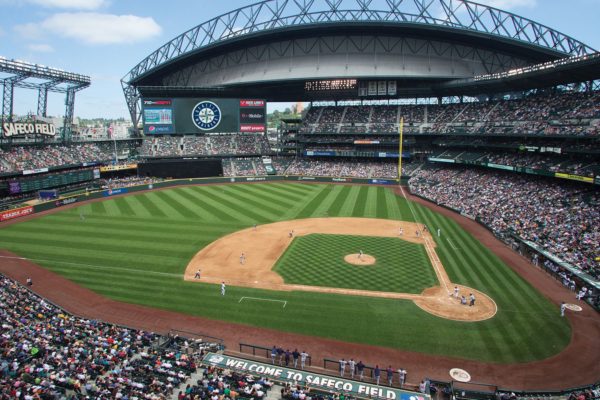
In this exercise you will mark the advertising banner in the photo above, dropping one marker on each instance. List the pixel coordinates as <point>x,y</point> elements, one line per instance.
<point>317,381</point>
<point>587,179</point>
<point>112,192</point>
<point>16,213</point>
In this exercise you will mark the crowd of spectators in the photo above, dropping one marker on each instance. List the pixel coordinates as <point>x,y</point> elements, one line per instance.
<point>560,217</point>
<point>234,144</point>
<point>570,113</point>
<point>46,353</point>
<point>583,165</point>
<point>344,168</point>
<point>242,167</point>
<point>127,181</point>
<point>19,158</point>
<point>219,384</point>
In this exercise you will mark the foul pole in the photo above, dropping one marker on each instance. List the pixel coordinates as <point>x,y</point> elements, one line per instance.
<point>400,134</point>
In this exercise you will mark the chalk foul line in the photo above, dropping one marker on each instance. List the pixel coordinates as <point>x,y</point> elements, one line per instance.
<point>261,299</point>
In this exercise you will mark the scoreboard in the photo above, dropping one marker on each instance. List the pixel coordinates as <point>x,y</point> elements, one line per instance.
<point>165,116</point>
<point>33,184</point>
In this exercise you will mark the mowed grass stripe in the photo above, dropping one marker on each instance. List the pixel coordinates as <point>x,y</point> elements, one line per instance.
<point>198,195</point>
<point>382,208</point>
<point>184,200</point>
<point>299,189</point>
<point>207,211</point>
<point>124,207</point>
<point>109,241</point>
<point>99,245</point>
<point>240,210</point>
<point>371,204</point>
<point>336,206</point>
<point>277,200</point>
<point>172,199</point>
<point>237,193</point>
<point>184,234</point>
<point>282,197</point>
<point>98,207</point>
<point>149,206</point>
<point>321,209</point>
<point>158,198</point>
<point>349,202</point>
<point>310,207</point>
<point>361,201</point>
<point>393,208</point>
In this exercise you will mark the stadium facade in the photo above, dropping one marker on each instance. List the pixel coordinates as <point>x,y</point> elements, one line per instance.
<point>334,49</point>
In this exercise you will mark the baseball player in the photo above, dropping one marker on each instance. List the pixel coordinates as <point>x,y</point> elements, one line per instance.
<point>242,258</point>
<point>471,300</point>
<point>401,232</point>
<point>456,291</point>
<point>563,307</point>
<point>303,357</point>
<point>439,232</point>
<point>222,288</point>
<point>197,275</point>
<point>402,376</point>
<point>352,366</point>
<point>342,367</point>
<point>360,254</point>
<point>81,216</point>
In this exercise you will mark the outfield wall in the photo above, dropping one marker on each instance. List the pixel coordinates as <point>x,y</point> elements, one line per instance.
<point>28,210</point>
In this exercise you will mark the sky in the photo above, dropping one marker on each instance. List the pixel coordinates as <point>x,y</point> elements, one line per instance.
<point>104,39</point>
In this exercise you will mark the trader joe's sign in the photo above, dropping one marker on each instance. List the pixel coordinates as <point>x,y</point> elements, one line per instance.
<point>322,382</point>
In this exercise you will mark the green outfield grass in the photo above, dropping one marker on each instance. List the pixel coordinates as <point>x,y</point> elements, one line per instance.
<point>318,260</point>
<point>136,248</point>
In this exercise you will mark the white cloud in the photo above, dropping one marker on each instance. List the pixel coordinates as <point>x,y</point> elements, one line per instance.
<point>73,4</point>
<point>96,28</point>
<point>29,31</point>
<point>41,48</point>
<point>508,4</point>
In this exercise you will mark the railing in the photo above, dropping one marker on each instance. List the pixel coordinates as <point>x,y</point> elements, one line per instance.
<point>261,351</point>
<point>368,373</point>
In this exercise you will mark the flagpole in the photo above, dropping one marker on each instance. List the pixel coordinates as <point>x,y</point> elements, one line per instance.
<point>400,134</point>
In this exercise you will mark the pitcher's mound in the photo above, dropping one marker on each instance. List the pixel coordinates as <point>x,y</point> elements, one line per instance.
<point>354,259</point>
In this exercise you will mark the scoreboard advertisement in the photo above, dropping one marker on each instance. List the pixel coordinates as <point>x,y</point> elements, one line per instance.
<point>199,116</point>
<point>25,185</point>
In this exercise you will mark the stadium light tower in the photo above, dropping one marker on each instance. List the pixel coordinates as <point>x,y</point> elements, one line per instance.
<point>55,80</point>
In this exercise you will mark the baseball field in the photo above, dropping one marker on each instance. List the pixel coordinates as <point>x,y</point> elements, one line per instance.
<point>138,248</point>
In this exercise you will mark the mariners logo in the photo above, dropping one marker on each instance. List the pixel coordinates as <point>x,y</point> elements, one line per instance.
<point>206,115</point>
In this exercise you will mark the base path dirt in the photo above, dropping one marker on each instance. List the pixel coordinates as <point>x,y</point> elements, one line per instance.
<point>577,365</point>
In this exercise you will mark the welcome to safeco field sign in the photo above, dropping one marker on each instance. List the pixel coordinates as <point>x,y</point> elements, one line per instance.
<point>303,378</point>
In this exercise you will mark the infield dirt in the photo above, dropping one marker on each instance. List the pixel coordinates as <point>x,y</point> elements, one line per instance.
<point>246,258</point>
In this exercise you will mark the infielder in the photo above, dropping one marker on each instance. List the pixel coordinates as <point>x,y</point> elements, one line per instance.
<point>197,276</point>
<point>456,291</point>
<point>360,254</point>
<point>242,258</point>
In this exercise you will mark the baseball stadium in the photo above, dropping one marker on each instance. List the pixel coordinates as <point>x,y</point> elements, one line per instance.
<point>424,224</point>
